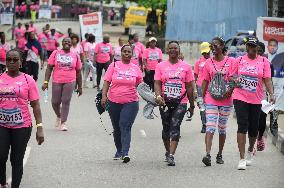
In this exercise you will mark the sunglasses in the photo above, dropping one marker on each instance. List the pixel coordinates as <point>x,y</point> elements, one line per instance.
<point>15,59</point>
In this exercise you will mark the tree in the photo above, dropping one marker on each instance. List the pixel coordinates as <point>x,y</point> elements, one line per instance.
<point>156,4</point>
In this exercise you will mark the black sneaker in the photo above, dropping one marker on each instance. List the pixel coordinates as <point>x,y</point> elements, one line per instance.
<point>203,129</point>
<point>171,160</point>
<point>126,159</point>
<point>219,159</point>
<point>207,160</point>
<point>166,156</point>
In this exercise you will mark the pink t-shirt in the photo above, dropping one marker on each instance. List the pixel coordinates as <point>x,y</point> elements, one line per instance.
<point>173,78</point>
<point>198,69</point>
<point>117,53</point>
<point>52,42</point>
<point>208,74</point>
<point>43,38</point>
<point>15,94</point>
<point>103,52</point>
<point>77,49</point>
<point>152,56</point>
<point>23,8</point>
<point>135,56</point>
<point>83,43</point>
<point>90,50</point>
<point>140,47</point>
<point>65,66</point>
<point>251,74</point>
<point>22,43</point>
<point>32,29</point>
<point>124,79</point>
<point>4,48</point>
<point>19,33</point>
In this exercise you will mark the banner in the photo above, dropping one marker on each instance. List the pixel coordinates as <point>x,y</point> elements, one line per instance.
<point>44,13</point>
<point>92,23</point>
<point>6,18</point>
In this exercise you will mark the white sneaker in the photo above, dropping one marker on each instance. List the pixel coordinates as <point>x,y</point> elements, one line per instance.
<point>63,127</point>
<point>58,122</point>
<point>249,158</point>
<point>242,164</point>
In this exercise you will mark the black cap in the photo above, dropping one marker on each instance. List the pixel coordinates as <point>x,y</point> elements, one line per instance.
<point>251,40</point>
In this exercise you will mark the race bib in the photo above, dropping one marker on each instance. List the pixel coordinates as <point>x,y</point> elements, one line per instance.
<point>172,90</point>
<point>105,49</point>
<point>153,56</point>
<point>11,117</point>
<point>248,83</point>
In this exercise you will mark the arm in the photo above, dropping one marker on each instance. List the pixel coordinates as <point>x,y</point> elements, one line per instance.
<point>104,93</point>
<point>79,81</point>
<point>189,90</point>
<point>37,114</point>
<point>48,72</point>
<point>269,88</point>
<point>204,87</point>
<point>158,92</point>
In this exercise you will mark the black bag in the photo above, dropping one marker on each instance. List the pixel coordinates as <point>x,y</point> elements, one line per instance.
<point>217,86</point>
<point>173,103</point>
<point>99,106</point>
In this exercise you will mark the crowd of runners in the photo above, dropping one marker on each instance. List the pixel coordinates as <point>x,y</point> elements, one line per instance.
<point>217,82</point>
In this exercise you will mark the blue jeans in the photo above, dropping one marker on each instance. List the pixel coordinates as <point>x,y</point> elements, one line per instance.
<point>122,118</point>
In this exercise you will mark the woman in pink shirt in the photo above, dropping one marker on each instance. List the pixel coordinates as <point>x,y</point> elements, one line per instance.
<point>66,67</point>
<point>217,109</point>
<point>90,60</point>
<point>4,48</point>
<point>18,92</point>
<point>174,86</point>
<point>104,57</point>
<point>43,39</point>
<point>117,50</point>
<point>198,71</point>
<point>252,71</point>
<point>76,47</point>
<point>151,57</point>
<point>19,33</point>
<point>120,95</point>
<point>52,42</point>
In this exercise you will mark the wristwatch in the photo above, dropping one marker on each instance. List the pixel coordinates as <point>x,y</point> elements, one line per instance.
<point>158,96</point>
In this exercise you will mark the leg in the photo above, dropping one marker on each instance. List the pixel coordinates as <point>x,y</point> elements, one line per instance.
<point>4,152</point>
<point>127,117</point>
<point>86,73</point>
<point>19,141</point>
<point>35,70</point>
<point>166,118</point>
<point>224,113</point>
<point>100,67</point>
<point>202,113</point>
<point>93,70</point>
<point>114,114</point>
<point>262,124</point>
<point>254,114</point>
<point>67,91</point>
<point>242,113</point>
<point>56,98</point>
<point>29,68</point>
<point>152,73</point>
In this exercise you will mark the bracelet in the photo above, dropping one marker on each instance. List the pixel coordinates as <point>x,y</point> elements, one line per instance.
<point>158,96</point>
<point>38,125</point>
<point>45,82</point>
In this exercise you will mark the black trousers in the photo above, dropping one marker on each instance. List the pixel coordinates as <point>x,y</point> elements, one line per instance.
<point>32,69</point>
<point>17,139</point>
<point>100,67</point>
<point>149,78</point>
<point>262,124</point>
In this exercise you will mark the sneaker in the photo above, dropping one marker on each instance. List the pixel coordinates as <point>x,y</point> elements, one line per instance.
<point>126,159</point>
<point>242,164</point>
<point>249,158</point>
<point>260,144</point>
<point>166,155</point>
<point>203,129</point>
<point>58,122</point>
<point>207,160</point>
<point>171,160</point>
<point>219,159</point>
<point>63,127</point>
<point>117,156</point>
<point>4,186</point>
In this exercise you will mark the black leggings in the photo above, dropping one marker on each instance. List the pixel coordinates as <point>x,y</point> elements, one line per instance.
<point>100,67</point>
<point>262,124</point>
<point>17,139</point>
<point>32,69</point>
<point>149,78</point>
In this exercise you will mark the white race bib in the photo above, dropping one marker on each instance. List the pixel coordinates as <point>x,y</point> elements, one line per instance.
<point>248,83</point>
<point>172,90</point>
<point>11,117</point>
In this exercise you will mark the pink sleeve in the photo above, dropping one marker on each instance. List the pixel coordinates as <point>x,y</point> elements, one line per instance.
<point>196,67</point>
<point>97,48</point>
<point>267,69</point>
<point>78,63</point>
<point>157,75</point>
<point>51,59</point>
<point>109,73</point>
<point>145,54</point>
<point>189,76</point>
<point>206,75</point>
<point>33,90</point>
<point>160,54</point>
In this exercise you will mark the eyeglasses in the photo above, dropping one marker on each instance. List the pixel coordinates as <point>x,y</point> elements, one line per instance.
<point>15,59</point>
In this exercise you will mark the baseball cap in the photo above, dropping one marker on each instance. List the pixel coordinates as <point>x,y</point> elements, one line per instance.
<point>251,40</point>
<point>152,38</point>
<point>204,47</point>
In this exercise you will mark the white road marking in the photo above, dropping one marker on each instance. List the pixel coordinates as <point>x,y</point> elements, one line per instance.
<point>25,160</point>
<point>143,133</point>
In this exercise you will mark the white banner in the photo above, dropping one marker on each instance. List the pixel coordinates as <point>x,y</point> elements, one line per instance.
<point>92,23</point>
<point>6,18</point>
<point>44,13</point>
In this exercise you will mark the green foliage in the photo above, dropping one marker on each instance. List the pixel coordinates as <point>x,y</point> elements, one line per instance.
<point>161,4</point>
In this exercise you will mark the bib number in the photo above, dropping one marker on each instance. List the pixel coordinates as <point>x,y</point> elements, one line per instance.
<point>172,90</point>
<point>248,83</point>
<point>11,117</point>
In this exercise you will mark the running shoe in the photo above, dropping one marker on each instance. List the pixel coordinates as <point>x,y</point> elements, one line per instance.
<point>260,144</point>
<point>63,127</point>
<point>166,156</point>
<point>126,159</point>
<point>242,164</point>
<point>117,156</point>
<point>207,160</point>
<point>171,160</point>
<point>219,159</point>
<point>203,129</point>
<point>58,122</point>
<point>249,158</point>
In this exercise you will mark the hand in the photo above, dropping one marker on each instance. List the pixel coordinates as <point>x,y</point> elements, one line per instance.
<point>272,99</point>
<point>79,91</point>
<point>44,86</point>
<point>228,94</point>
<point>160,100</point>
<point>39,135</point>
<point>104,101</point>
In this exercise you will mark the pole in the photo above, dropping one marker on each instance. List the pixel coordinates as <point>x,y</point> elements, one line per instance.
<point>14,18</point>
<point>275,8</point>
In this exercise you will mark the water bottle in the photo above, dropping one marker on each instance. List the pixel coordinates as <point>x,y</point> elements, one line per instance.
<point>200,103</point>
<point>46,96</point>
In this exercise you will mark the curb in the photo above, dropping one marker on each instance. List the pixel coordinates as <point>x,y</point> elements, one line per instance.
<point>277,140</point>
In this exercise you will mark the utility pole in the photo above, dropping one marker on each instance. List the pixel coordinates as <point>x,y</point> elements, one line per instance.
<point>275,8</point>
